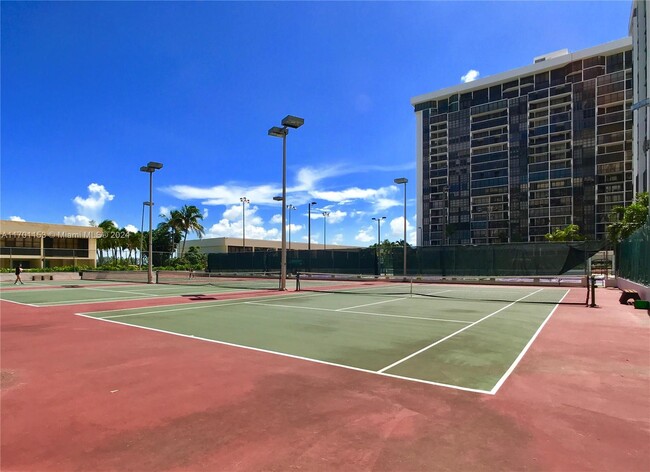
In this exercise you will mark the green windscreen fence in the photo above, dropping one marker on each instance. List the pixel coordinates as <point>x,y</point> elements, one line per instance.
<point>526,259</point>
<point>633,256</point>
<point>357,261</point>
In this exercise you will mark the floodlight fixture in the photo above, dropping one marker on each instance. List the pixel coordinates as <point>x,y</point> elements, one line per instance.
<point>278,132</point>
<point>293,121</point>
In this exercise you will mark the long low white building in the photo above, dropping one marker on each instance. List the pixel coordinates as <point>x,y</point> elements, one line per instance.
<point>231,245</point>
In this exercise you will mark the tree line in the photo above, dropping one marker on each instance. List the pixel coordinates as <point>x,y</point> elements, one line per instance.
<point>119,247</point>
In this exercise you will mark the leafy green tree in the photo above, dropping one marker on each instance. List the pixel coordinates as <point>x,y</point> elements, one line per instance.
<point>626,220</point>
<point>195,258</point>
<point>188,220</point>
<point>569,233</point>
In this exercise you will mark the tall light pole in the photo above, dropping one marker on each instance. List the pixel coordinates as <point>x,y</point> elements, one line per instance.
<point>243,201</point>
<point>325,215</point>
<point>378,220</point>
<point>309,234</point>
<point>150,168</point>
<point>403,180</point>
<point>142,231</point>
<point>290,207</point>
<point>287,122</point>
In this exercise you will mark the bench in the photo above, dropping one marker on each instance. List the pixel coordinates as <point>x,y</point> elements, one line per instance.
<point>628,295</point>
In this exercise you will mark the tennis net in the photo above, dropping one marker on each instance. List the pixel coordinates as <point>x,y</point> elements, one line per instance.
<point>501,289</point>
<point>136,276</point>
<point>239,280</point>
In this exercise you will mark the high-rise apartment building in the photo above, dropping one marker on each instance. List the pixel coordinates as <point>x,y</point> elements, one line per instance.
<point>511,157</point>
<point>639,25</point>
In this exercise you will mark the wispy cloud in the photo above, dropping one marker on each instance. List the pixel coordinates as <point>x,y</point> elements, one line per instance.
<point>307,186</point>
<point>470,76</point>
<point>226,194</point>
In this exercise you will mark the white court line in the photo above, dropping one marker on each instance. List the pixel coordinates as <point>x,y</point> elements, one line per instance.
<point>369,304</point>
<point>137,297</point>
<point>505,376</point>
<point>193,306</point>
<point>356,312</point>
<point>20,303</point>
<point>130,292</point>
<point>292,356</point>
<point>455,333</point>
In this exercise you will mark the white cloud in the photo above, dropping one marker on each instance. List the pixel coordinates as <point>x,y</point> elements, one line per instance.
<point>16,218</point>
<point>166,211</point>
<point>131,229</point>
<point>78,220</point>
<point>337,239</point>
<point>93,205</point>
<point>367,235</point>
<point>224,194</point>
<point>470,76</point>
<point>235,212</point>
<point>386,203</point>
<point>205,213</point>
<point>307,177</point>
<point>397,228</point>
<point>231,225</point>
<point>276,219</point>
<point>334,216</point>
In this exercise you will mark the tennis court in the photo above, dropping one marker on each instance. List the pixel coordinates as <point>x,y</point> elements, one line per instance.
<point>54,293</point>
<point>469,338</point>
<point>341,374</point>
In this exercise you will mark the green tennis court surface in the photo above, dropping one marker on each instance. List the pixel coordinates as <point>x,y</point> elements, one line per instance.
<point>83,291</point>
<point>467,342</point>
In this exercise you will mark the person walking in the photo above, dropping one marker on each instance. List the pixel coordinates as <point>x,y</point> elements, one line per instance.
<point>19,270</point>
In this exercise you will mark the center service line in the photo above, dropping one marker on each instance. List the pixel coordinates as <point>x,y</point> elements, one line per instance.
<point>455,333</point>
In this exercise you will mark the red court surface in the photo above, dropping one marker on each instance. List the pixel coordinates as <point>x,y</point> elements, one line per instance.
<point>84,395</point>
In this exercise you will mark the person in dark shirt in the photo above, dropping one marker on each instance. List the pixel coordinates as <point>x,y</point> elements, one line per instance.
<point>19,269</point>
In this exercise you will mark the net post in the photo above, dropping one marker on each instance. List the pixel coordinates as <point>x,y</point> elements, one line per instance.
<point>593,291</point>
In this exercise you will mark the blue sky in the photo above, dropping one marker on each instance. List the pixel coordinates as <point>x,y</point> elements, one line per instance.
<point>91,91</point>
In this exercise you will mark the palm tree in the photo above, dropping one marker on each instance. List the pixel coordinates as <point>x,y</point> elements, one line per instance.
<point>189,217</point>
<point>172,224</point>
<point>133,244</point>
<point>107,241</point>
